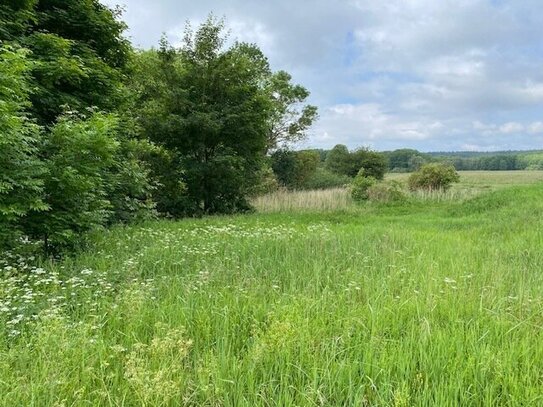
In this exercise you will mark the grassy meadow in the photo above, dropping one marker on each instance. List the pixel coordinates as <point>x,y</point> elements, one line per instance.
<point>433,302</point>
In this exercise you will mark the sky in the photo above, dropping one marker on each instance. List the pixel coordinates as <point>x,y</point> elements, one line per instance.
<point>435,75</point>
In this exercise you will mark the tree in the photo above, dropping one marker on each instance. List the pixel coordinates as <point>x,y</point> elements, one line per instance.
<point>21,186</point>
<point>294,168</point>
<point>341,161</point>
<point>207,106</point>
<point>78,51</point>
<point>338,160</point>
<point>373,163</point>
<point>283,163</point>
<point>290,117</point>
<point>432,177</point>
<point>15,17</point>
<point>405,159</point>
<point>415,162</point>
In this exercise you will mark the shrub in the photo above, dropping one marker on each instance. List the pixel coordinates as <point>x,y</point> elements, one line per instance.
<point>129,187</point>
<point>389,191</point>
<point>326,179</point>
<point>433,177</point>
<point>373,163</point>
<point>360,186</point>
<point>21,170</point>
<point>80,155</point>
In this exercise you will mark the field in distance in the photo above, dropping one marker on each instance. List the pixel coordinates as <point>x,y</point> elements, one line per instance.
<point>487,179</point>
<point>431,304</point>
<point>472,183</point>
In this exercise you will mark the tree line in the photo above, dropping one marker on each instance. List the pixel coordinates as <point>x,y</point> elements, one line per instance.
<point>409,160</point>
<point>94,132</point>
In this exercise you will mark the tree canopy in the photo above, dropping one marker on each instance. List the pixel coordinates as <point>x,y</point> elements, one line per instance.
<point>94,132</point>
<point>78,51</point>
<point>344,162</point>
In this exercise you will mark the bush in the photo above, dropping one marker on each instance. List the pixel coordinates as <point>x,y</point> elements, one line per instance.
<point>360,186</point>
<point>129,187</point>
<point>80,155</point>
<point>432,177</point>
<point>326,179</point>
<point>373,163</point>
<point>389,191</point>
<point>21,170</point>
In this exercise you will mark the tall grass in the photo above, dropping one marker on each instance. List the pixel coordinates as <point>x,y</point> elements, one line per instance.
<point>452,195</point>
<point>422,305</point>
<point>472,184</point>
<point>313,200</point>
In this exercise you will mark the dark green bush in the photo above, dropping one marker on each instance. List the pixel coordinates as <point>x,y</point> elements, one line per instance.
<point>85,171</point>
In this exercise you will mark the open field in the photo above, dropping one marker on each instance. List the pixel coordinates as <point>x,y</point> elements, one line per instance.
<point>488,179</point>
<point>425,304</point>
<point>472,183</point>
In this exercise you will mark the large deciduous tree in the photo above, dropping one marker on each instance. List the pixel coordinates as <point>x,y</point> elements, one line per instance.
<point>206,104</point>
<point>291,118</point>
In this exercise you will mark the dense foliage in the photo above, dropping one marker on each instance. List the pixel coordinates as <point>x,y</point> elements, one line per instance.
<point>344,162</point>
<point>405,160</point>
<point>408,160</point>
<point>433,177</point>
<point>207,106</point>
<point>21,170</point>
<point>294,169</point>
<point>360,186</point>
<point>94,133</point>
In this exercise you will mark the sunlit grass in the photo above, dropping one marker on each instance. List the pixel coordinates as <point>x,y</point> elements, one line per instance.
<point>430,304</point>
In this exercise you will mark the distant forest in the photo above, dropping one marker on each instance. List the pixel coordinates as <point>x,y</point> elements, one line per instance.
<point>407,160</point>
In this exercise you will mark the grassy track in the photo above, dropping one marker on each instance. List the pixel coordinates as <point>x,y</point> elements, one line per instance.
<point>425,304</point>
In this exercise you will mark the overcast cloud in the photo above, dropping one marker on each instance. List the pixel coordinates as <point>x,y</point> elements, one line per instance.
<point>426,74</point>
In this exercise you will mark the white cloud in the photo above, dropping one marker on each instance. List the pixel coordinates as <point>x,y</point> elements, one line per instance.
<point>511,127</point>
<point>445,74</point>
<point>535,128</point>
<point>370,124</point>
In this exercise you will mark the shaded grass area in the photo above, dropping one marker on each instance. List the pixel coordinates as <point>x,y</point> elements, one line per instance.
<point>426,303</point>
